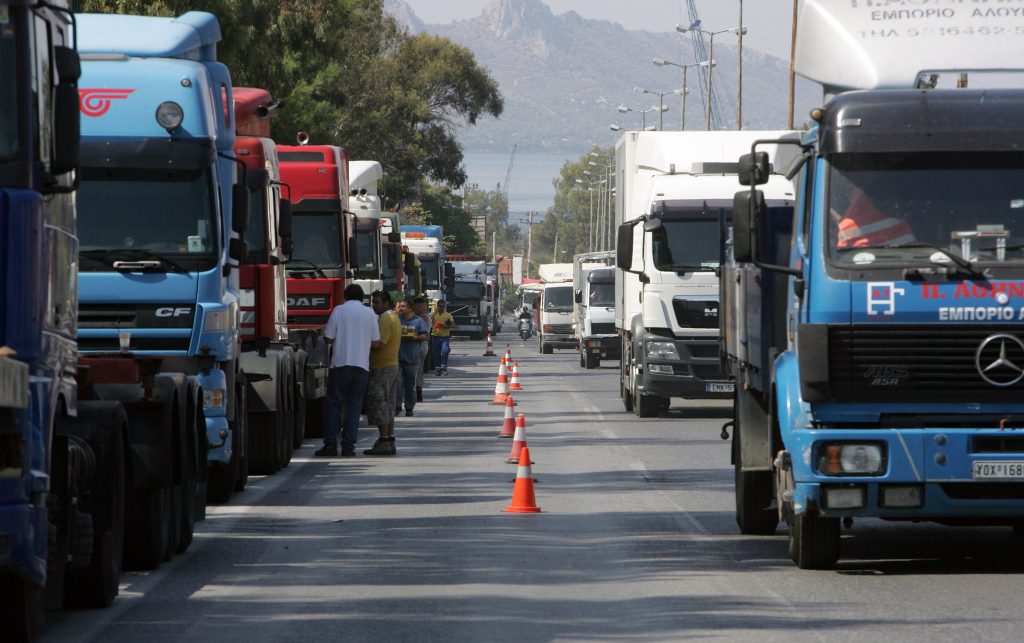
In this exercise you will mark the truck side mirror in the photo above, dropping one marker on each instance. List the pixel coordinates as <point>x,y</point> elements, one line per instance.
<point>256,179</point>
<point>449,271</point>
<point>748,209</point>
<point>353,256</point>
<point>409,267</point>
<point>239,208</point>
<point>754,169</point>
<point>577,296</point>
<point>624,247</point>
<point>237,249</point>
<point>395,257</point>
<point>66,118</point>
<point>395,237</point>
<point>284,227</point>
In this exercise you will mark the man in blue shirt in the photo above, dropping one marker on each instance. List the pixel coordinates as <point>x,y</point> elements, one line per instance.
<point>414,333</point>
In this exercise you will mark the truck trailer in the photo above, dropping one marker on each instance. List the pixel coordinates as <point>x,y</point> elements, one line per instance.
<point>874,327</point>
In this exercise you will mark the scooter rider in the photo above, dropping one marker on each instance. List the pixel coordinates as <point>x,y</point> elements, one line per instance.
<point>527,315</point>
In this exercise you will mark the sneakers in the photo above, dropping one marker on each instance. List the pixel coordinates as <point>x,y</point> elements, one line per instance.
<point>327,451</point>
<point>408,413</point>
<point>382,446</point>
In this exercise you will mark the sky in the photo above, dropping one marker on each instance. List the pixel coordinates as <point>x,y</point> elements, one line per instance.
<point>768,21</point>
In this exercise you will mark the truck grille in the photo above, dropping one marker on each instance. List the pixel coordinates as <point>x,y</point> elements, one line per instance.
<point>898,363</point>
<point>136,316</point>
<point>695,313</point>
<point>112,345</point>
<point>603,328</point>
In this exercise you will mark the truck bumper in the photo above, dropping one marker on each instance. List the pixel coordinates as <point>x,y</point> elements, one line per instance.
<point>927,474</point>
<point>607,347</point>
<point>560,340</point>
<point>23,533</point>
<point>218,432</point>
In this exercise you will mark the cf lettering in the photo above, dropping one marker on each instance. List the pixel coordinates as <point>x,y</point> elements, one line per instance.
<point>172,312</point>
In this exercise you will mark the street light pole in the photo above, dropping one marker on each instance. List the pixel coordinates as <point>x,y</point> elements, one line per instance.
<point>741,30</point>
<point>739,82</point>
<point>661,62</point>
<point>711,56</point>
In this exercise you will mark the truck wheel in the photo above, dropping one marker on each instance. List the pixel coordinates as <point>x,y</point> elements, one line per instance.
<point>96,585</point>
<point>147,528</point>
<point>316,414</point>
<point>22,608</point>
<point>546,349</point>
<point>264,443</point>
<point>814,541</point>
<point>591,361</point>
<point>649,406</point>
<point>187,518</point>
<point>754,515</point>
<point>624,393</point>
<point>299,421</point>
<point>285,430</point>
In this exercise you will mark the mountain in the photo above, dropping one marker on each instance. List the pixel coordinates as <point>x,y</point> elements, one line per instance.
<point>562,77</point>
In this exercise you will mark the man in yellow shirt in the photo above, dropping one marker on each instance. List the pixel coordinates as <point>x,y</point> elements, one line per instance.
<point>441,326</point>
<point>380,392</point>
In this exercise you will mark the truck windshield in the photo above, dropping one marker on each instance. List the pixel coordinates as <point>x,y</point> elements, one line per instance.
<point>317,238</point>
<point>368,248</point>
<point>431,279</point>
<point>255,230</point>
<point>171,216</point>
<point>689,242</point>
<point>922,208</point>
<point>602,294</point>
<point>558,299</point>
<point>467,291</point>
<point>9,138</point>
<point>392,257</point>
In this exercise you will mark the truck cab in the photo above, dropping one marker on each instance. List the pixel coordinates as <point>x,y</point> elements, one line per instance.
<point>427,243</point>
<point>554,329</point>
<point>467,294</point>
<point>675,195</point>
<point>594,309</point>
<point>369,229</point>
<point>876,325</point>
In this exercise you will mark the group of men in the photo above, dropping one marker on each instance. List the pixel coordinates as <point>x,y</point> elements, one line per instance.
<point>378,355</point>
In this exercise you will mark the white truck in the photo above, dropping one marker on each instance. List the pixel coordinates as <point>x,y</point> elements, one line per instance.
<point>555,324</point>
<point>593,316</point>
<point>467,296</point>
<point>365,204</point>
<point>673,205</point>
<point>430,253</point>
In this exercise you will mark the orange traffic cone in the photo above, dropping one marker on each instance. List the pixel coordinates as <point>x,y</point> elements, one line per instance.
<point>508,353</point>
<point>508,369</point>
<point>518,440</point>
<point>501,386</point>
<point>501,366</point>
<point>508,426</point>
<point>490,347</point>
<point>514,382</point>
<point>523,500</point>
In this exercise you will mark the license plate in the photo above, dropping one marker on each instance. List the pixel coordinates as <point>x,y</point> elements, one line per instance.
<point>721,388</point>
<point>998,470</point>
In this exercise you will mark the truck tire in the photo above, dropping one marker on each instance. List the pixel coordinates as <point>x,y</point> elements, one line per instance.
<point>814,541</point>
<point>546,349</point>
<point>147,528</point>
<point>649,406</point>
<point>316,414</point>
<point>242,431</point>
<point>583,360</point>
<point>264,443</point>
<point>96,584</point>
<point>299,421</point>
<point>591,361</point>
<point>22,608</point>
<point>754,490</point>
<point>625,394</point>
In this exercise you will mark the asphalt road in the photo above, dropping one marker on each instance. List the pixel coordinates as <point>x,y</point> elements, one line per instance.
<point>636,540</point>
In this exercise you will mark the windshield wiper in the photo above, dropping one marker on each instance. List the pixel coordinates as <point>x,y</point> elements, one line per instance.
<point>962,263</point>
<point>317,270</point>
<point>110,256</point>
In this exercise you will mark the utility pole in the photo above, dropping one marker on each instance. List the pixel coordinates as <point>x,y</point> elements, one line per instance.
<point>739,84</point>
<point>554,252</point>
<point>792,69</point>
<point>494,246</point>
<point>529,242</point>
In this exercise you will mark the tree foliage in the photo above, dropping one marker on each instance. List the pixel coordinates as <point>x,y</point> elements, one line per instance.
<point>350,76</point>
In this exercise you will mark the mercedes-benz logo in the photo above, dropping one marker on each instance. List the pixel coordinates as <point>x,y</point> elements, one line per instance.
<point>1000,360</point>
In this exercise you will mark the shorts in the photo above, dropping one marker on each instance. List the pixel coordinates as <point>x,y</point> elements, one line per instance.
<point>380,395</point>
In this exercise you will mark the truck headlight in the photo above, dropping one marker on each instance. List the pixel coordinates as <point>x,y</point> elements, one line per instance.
<point>838,459</point>
<point>213,398</point>
<point>662,350</point>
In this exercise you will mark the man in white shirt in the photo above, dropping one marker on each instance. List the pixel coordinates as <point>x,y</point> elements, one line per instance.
<point>353,330</point>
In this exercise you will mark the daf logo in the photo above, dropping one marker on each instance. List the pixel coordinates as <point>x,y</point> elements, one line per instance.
<point>1000,360</point>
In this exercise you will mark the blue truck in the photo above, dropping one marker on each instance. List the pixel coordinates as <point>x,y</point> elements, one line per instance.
<point>162,208</point>
<point>875,327</point>
<point>67,454</point>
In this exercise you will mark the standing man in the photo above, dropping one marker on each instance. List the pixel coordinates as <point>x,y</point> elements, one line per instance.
<point>380,393</point>
<point>414,335</point>
<point>442,324</point>
<point>352,329</point>
<point>419,306</point>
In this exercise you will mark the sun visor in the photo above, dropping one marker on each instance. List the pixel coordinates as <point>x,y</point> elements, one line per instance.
<point>888,44</point>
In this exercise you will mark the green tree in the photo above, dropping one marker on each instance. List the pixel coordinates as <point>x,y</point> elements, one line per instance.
<point>350,76</point>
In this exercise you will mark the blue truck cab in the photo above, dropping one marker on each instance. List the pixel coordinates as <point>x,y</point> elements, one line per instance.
<point>876,328</point>
<point>158,237</point>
